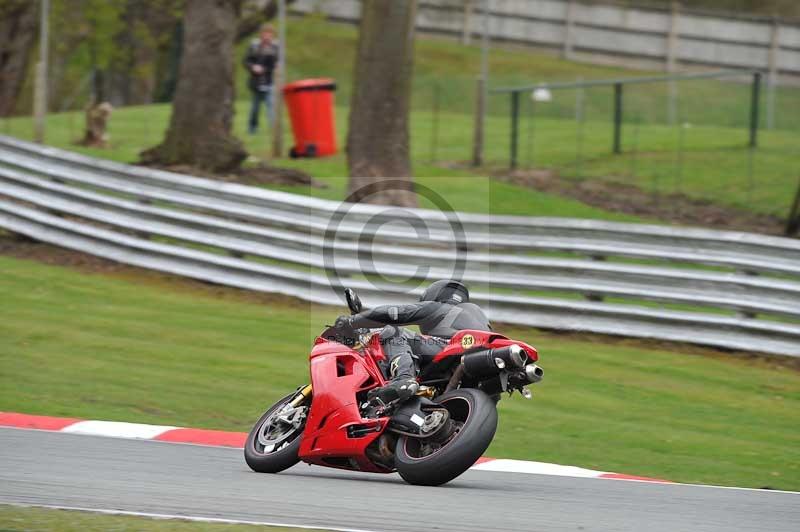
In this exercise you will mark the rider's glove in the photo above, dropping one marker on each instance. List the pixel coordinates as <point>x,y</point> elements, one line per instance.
<point>344,322</point>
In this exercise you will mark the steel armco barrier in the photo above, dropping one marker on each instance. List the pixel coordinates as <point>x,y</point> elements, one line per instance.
<point>726,289</point>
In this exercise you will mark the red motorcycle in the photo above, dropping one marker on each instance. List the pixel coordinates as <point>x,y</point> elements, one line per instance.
<point>429,439</point>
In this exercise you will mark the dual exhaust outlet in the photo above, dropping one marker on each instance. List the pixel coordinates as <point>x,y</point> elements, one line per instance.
<point>490,362</point>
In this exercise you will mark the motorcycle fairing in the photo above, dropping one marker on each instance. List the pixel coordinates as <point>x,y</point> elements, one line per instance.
<point>336,435</point>
<point>472,340</point>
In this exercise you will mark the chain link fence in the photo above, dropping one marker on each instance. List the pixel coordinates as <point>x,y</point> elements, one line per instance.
<point>677,142</point>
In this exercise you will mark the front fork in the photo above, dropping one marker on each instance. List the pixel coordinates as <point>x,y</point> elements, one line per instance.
<point>302,395</point>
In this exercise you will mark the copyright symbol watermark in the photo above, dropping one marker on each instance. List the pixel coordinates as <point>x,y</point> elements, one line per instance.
<point>395,249</point>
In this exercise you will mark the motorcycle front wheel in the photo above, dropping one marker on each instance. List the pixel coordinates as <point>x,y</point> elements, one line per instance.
<point>473,415</point>
<point>274,441</point>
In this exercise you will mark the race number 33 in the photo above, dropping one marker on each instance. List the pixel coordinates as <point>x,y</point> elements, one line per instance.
<point>467,341</point>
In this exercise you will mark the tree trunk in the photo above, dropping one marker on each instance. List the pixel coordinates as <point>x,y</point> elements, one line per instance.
<point>96,125</point>
<point>18,31</point>
<point>199,132</point>
<point>377,141</point>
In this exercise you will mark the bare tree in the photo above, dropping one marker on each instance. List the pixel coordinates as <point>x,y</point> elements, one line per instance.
<point>199,132</point>
<point>18,30</point>
<point>378,138</point>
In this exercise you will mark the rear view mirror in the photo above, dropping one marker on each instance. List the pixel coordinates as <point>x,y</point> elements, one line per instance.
<point>353,301</point>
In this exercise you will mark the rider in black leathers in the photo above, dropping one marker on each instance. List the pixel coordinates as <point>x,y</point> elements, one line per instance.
<point>443,310</point>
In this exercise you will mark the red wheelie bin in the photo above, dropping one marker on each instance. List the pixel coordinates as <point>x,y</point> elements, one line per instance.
<point>310,105</point>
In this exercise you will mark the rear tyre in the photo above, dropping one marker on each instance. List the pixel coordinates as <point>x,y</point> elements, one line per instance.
<point>475,418</point>
<point>274,441</point>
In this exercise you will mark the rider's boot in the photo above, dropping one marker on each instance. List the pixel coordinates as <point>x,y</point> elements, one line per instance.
<point>396,390</point>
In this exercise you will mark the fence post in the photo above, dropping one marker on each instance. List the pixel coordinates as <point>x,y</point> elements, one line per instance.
<point>793,223</point>
<point>569,29</point>
<point>435,123</point>
<point>617,118</point>
<point>529,158</point>
<point>672,38</point>
<point>466,30</point>
<point>772,77</point>
<point>480,101</point>
<point>754,104</point>
<point>672,59</point>
<point>480,116</point>
<point>514,127</point>
<point>580,108</point>
<point>677,185</point>
<point>634,167</point>
<point>40,83</point>
<point>277,86</point>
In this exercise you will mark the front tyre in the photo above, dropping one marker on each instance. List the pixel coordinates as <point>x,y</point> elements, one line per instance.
<point>274,442</point>
<point>474,418</point>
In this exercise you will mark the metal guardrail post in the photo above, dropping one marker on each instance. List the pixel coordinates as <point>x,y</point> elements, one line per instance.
<point>617,118</point>
<point>514,128</point>
<point>754,108</point>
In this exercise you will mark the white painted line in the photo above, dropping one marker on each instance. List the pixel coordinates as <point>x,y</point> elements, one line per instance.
<point>117,429</point>
<point>713,486</point>
<point>196,518</point>
<point>536,468</point>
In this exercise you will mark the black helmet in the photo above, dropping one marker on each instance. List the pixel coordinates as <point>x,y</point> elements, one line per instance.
<point>446,291</point>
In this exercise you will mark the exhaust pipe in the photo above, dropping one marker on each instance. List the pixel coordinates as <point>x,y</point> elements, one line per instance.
<point>533,373</point>
<point>491,362</point>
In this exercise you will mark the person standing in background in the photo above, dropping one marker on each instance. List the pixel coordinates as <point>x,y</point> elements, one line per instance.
<point>260,61</point>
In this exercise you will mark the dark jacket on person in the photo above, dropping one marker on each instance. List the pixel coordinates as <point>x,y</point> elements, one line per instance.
<point>434,318</point>
<point>267,58</point>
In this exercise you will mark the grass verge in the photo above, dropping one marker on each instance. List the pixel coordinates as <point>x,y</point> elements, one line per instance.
<point>31,519</point>
<point>155,349</point>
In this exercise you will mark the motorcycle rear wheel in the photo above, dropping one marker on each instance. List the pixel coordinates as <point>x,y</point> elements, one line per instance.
<point>273,445</point>
<point>475,416</point>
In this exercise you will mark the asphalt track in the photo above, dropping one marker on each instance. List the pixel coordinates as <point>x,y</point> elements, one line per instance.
<point>57,469</point>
